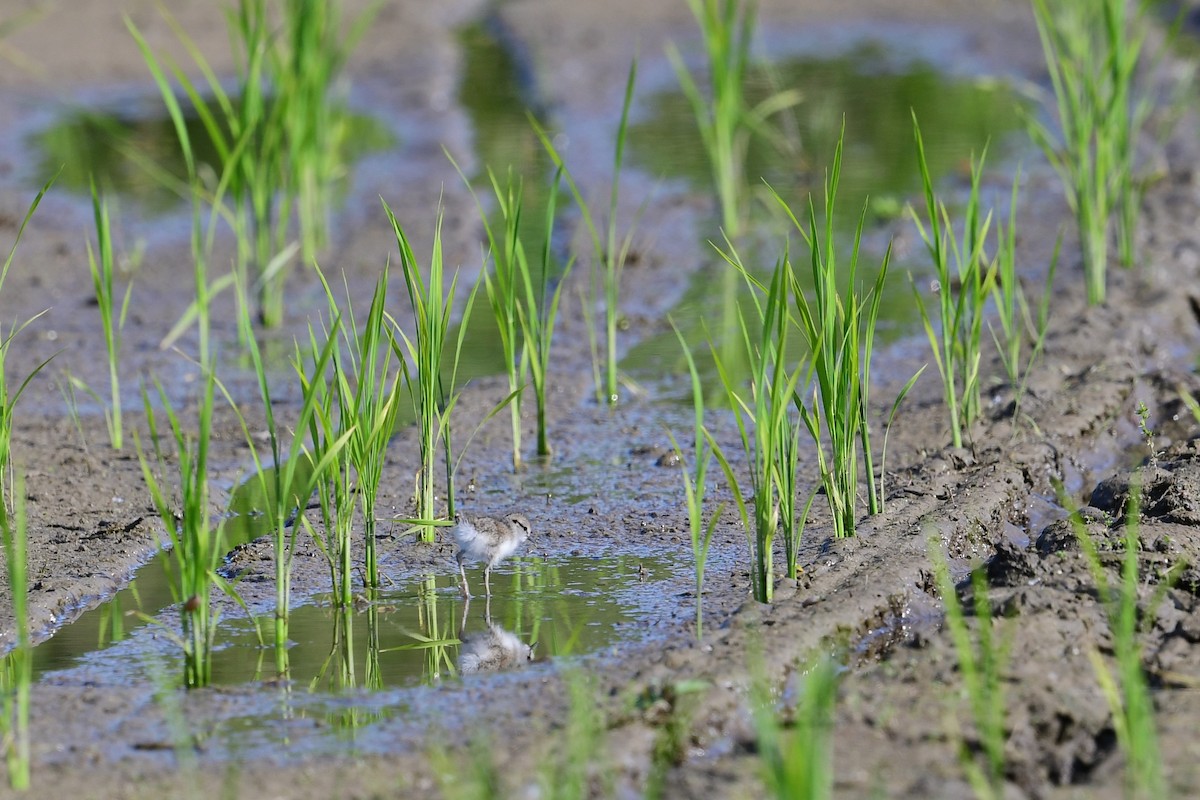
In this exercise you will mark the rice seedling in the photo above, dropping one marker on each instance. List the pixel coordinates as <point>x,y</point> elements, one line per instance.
<point>763,422</point>
<point>330,430</point>
<point>263,191</point>
<point>673,707</point>
<point>12,23</point>
<point>609,254</point>
<point>839,330</point>
<point>9,397</point>
<point>246,142</point>
<point>577,768</point>
<point>1092,51</point>
<point>277,134</point>
<point>1017,322</point>
<point>337,671</point>
<point>964,279</point>
<point>797,764</point>
<point>538,311</point>
<point>196,547</point>
<point>981,662</point>
<point>695,484</point>
<point>1126,688</point>
<point>16,667</point>
<point>288,481</point>
<point>500,285</point>
<point>305,75</point>
<point>369,401</point>
<point>723,116</point>
<point>102,264</point>
<point>727,28</point>
<point>430,379</point>
<point>479,780</point>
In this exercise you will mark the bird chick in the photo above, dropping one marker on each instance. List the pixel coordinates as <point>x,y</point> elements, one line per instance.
<point>487,539</point>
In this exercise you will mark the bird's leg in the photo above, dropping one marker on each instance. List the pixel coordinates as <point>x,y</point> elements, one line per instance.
<point>487,584</point>
<point>466,591</point>
<point>462,625</point>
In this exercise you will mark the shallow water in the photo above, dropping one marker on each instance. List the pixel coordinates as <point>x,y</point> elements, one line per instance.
<point>871,88</point>
<point>412,634</point>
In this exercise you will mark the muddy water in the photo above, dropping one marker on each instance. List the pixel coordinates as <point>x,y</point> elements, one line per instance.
<point>559,606</point>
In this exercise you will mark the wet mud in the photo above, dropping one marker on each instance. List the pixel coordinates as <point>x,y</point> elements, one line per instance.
<point>608,496</point>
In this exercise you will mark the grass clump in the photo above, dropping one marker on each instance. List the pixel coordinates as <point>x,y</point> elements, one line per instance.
<point>16,667</point>
<point>981,662</point>
<point>1092,50</point>
<point>964,280</point>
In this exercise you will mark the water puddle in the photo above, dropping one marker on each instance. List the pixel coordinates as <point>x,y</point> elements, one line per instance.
<point>126,149</point>
<point>876,93</point>
<point>418,632</point>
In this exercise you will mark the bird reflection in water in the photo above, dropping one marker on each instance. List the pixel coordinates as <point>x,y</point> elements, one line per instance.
<point>492,649</point>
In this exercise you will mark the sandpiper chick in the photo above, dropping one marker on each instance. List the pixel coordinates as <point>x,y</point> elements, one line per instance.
<point>489,540</point>
<point>493,649</point>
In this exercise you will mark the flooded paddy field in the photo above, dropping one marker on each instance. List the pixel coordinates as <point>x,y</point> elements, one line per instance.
<point>583,672</point>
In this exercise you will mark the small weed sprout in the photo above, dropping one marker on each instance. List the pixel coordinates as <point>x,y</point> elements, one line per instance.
<point>1143,419</point>
<point>964,282</point>
<point>981,662</point>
